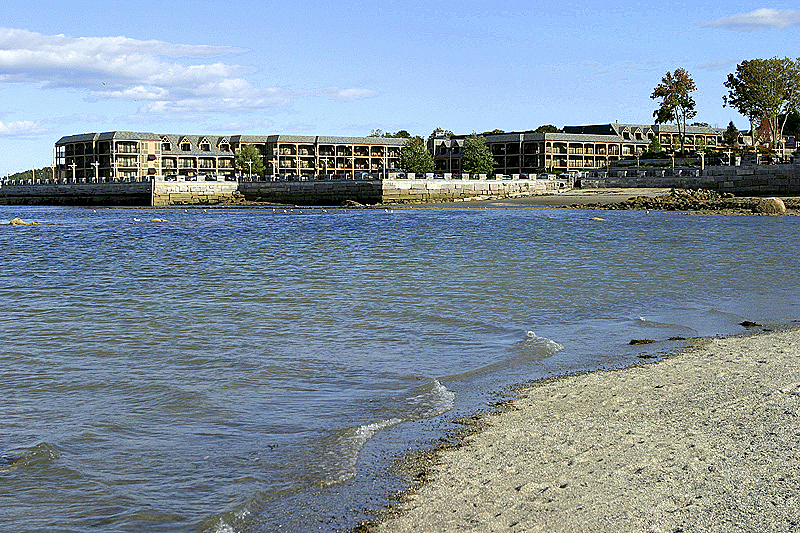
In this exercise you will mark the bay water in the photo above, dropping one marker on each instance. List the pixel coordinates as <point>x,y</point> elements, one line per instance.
<point>225,370</point>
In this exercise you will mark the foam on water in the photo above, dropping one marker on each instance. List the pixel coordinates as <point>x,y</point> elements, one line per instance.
<point>434,401</point>
<point>548,345</point>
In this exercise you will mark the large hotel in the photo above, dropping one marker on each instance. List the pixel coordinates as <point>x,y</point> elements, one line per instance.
<point>122,154</point>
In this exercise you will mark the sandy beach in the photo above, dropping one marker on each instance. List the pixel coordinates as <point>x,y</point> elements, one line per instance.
<point>707,440</point>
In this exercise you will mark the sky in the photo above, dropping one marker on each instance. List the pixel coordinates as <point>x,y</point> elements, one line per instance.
<point>349,67</point>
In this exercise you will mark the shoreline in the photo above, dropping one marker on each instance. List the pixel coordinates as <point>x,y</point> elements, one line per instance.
<point>703,440</point>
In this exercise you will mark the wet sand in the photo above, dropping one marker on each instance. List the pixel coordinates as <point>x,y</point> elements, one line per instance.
<point>707,440</point>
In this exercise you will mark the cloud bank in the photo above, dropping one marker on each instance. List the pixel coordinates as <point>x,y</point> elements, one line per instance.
<point>21,128</point>
<point>165,78</point>
<point>760,19</point>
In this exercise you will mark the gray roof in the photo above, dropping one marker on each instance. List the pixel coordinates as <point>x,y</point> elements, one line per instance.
<point>194,140</point>
<point>109,135</point>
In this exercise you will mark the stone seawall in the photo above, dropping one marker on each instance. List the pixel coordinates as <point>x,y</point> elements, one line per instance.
<point>327,192</point>
<point>750,180</point>
<point>194,192</point>
<point>62,192</point>
<point>755,180</point>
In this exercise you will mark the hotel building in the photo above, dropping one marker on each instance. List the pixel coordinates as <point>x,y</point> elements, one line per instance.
<point>577,148</point>
<point>124,154</point>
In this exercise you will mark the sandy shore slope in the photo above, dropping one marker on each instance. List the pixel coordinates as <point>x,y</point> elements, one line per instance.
<point>708,440</point>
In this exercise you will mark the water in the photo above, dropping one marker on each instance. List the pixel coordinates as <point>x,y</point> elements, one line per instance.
<point>251,370</point>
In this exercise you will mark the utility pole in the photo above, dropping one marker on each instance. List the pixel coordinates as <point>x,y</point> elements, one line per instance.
<point>73,165</point>
<point>250,165</point>
<point>95,164</point>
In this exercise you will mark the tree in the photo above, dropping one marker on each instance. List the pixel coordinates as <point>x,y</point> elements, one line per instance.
<point>677,104</point>
<point>493,132</point>
<point>765,89</point>
<point>414,157</point>
<point>654,146</point>
<point>402,134</point>
<point>246,155</point>
<point>439,132</point>
<point>377,133</point>
<point>731,135</point>
<point>547,128</point>
<point>476,157</point>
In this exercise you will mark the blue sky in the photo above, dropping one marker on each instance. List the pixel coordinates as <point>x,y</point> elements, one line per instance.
<point>347,67</point>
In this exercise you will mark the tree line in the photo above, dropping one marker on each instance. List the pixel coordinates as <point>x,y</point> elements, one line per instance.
<point>765,91</point>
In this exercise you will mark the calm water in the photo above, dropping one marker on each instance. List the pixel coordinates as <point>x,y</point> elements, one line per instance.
<point>250,370</point>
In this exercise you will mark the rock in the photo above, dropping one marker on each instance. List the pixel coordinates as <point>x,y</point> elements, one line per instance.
<point>770,206</point>
<point>20,222</point>
<point>749,324</point>
<point>635,342</point>
<point>351,203</point>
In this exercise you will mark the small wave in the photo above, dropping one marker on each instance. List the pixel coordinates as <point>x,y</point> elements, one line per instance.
<point>550,346</point>
<point>432,402</point>
<point>349,445</point>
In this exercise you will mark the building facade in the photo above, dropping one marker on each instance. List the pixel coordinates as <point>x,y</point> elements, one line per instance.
<point>576,148</point>
<point>121,154</point>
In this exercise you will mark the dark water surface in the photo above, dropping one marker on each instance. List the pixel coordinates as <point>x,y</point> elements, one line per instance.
<point>250,370</point>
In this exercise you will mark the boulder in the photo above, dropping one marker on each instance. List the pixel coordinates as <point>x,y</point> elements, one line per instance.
<point>770,206</point>
<point>19,222</point>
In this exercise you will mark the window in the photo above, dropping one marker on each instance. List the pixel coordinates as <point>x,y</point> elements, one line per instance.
<point>185,146</point>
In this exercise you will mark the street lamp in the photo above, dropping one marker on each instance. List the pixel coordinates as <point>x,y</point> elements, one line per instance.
<point>250,165</point>
<point>73,165</point>
<point>95,164</point>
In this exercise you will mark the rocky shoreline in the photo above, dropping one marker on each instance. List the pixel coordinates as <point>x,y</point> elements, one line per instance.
<point>702,200</point>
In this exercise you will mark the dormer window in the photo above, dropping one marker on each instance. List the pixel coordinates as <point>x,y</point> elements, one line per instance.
<point>204,145</point>
<point>185,146</point>
<point>224,147</point>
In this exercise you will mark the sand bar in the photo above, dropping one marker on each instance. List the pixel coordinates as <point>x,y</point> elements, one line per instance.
<point>707,440</point>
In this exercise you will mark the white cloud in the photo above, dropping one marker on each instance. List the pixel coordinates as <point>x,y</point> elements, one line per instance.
<point>21,128</point>
<point>167,78</point>
<point>760,19</point>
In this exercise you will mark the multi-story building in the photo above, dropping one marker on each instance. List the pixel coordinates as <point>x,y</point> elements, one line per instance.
<point>124,154</point>
<point>577,147</point>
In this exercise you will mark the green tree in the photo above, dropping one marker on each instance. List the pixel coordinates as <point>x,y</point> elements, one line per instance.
<point>439,132</point>
<point>246,155</point>
<point>377,133</point>
<point>414,157</point>
<point>731,135</point>
<point>654,146</point>
<point>493,132</point>
<point>677,104</point>
<point>547,128</point>
<point>402,134</point>
<point>476,157</point>
<point>765,89</point>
